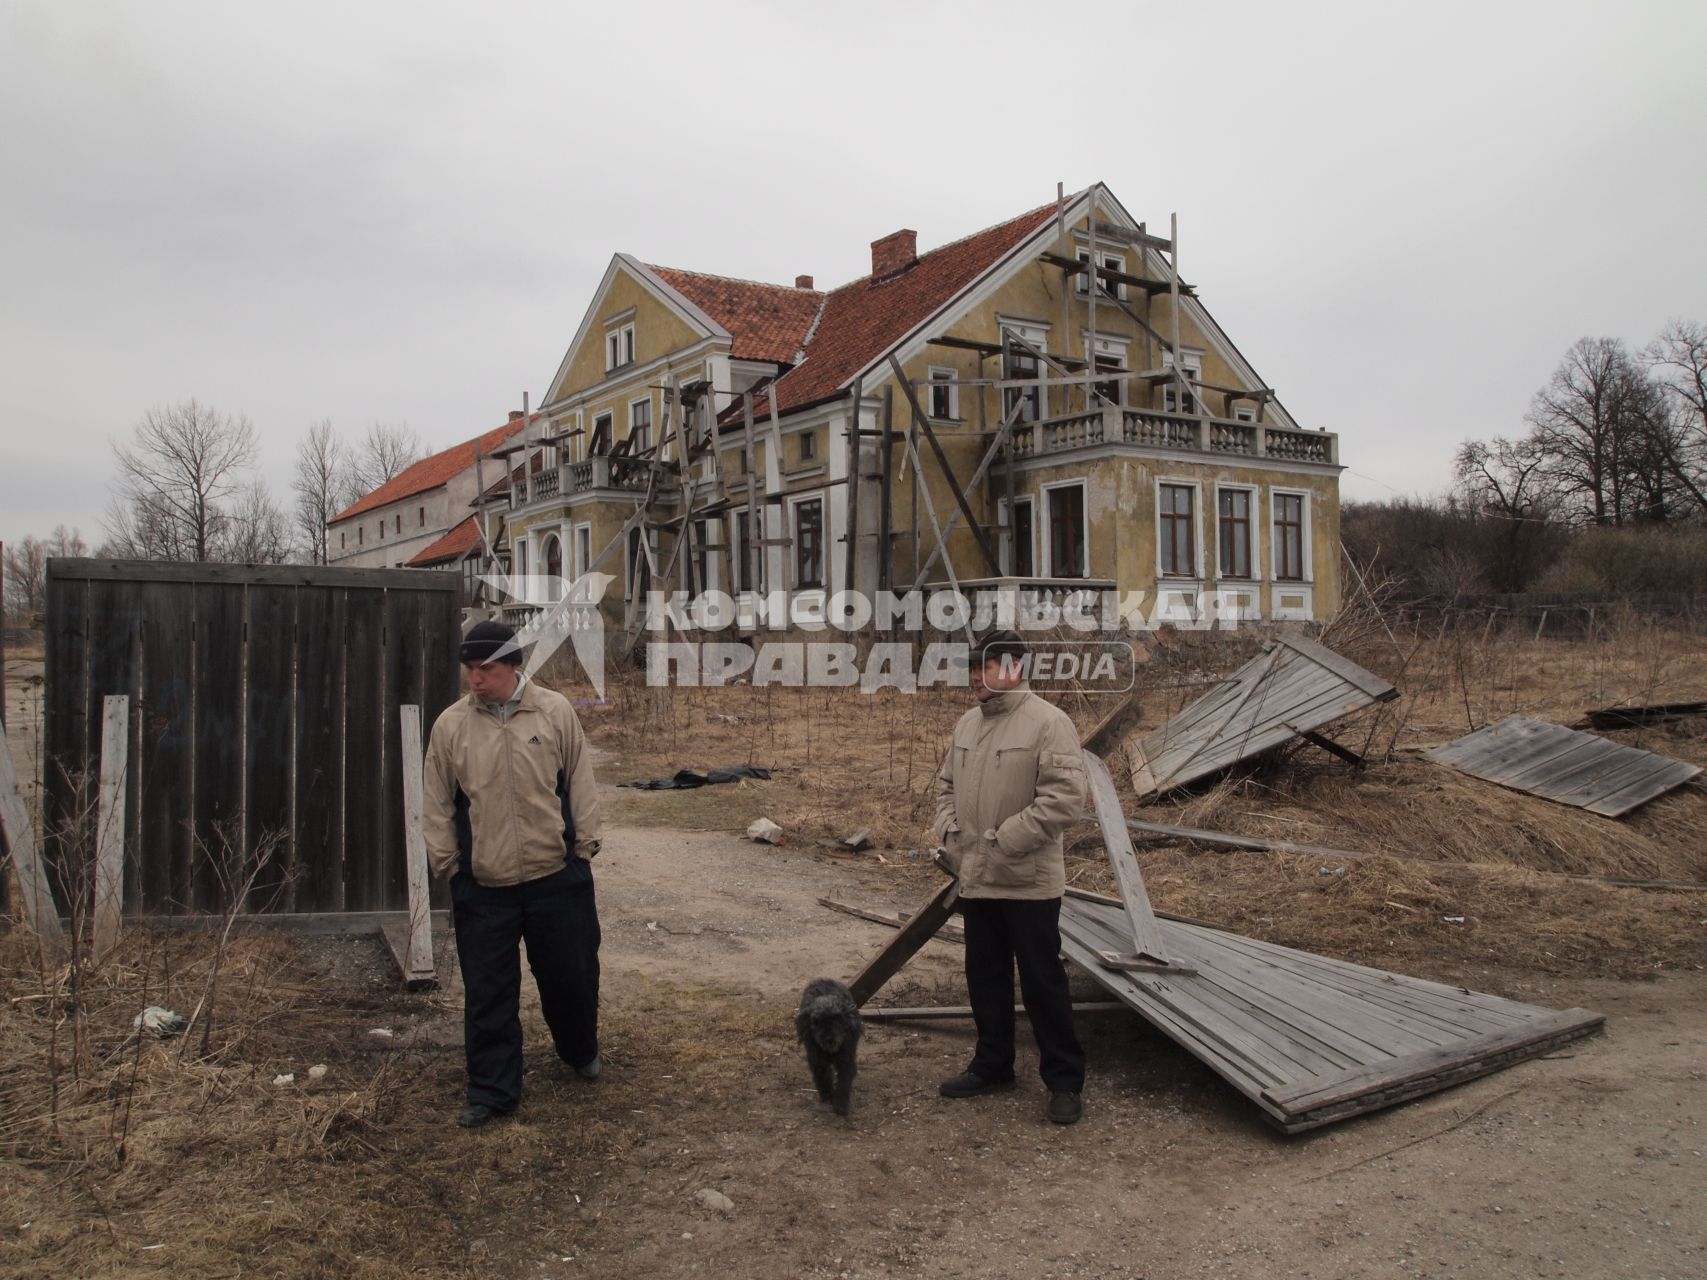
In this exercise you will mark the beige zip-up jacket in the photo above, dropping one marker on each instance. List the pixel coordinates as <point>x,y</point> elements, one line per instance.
<point>1013,778</point>
<point>515,796</point>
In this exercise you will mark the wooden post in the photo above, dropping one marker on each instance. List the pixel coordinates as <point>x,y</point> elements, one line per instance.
<point>850,564</point>
<point>1147,945</point>
<point>757,525</point>
<point>922,422</point>
<point>885,507</point>
<point>110,822</point>
<point>39,912</point>
<point>414,951</point>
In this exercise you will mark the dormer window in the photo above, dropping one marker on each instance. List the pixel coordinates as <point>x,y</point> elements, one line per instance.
<point>619,347</point>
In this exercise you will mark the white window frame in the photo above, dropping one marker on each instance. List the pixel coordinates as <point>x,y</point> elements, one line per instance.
<point>1112,345</point>
<point>1255,549</point>
<point>632,406</point>
<point>650,534</point>
<point>1046,564</point>
<point>738,565</point>
<point>593,433</point>
<point>581,548</point>
<point>1244,413</point>
<point>1010,569</point>
<point>1110,262</point>
<point>711,524</point>
<point>1197,548</point>
<point>793,550</point>
<point>1304,531</point>
<point>619,347</point>
<point>1192,362</point>
<point>953,388</point>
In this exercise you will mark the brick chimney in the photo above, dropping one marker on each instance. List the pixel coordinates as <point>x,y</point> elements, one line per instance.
<point>894,254</point>
<point>515,415</point>
<point>802,282</point>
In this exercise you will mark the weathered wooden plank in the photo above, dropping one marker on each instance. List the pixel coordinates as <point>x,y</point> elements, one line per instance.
<point>1353,1084</point>
<point>1146,938</point>
<point>368,736</point>
<point>1639,791</point>
<point>928,1013</point>
<point>110,823</point>
<point>948,932</point>
<point>1347,670</point>
<point>318,880</point>
<point>904,945</point>
<point>165,849</point>
<point>36,897</point>
<point>1564,765</point>
<point>270,757</point>
<point>1227,840</point>
<point>417,954</point>
<point>73,569</point>
<point>218,744</point>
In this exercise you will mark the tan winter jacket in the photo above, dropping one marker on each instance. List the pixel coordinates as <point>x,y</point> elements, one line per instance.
<point>1012,779</point>
<point>512,798</point>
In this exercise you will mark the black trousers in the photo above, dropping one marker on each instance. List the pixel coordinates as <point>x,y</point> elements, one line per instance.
<point>558,919</point>
<point>999,932</point>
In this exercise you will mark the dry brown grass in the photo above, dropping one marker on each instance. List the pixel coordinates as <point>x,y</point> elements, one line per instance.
<point>218,1172</point>
<point>1435,840</point>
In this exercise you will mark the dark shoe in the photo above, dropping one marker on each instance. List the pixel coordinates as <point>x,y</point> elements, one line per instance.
<point>591,1070</point>
<point>1065,1108</point>
<point>476,1114</point>
<point>969,1084</point>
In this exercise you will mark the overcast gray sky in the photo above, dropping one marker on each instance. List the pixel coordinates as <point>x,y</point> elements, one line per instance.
<point>1403,215</point>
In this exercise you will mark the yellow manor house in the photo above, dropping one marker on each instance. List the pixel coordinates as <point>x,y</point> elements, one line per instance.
<point>1068,415</point>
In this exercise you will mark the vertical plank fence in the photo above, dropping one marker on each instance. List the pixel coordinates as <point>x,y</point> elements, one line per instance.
<point>264,712</point>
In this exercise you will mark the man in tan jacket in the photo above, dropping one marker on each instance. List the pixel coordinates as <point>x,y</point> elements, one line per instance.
<point>1012,779</point>
<point>512,816</point>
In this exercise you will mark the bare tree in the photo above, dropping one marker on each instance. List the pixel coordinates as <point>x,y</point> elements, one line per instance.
<point>255,529</point>
<point>322,485</point>
<point>1677,360</point>
<point>385,452</point>
<point>26,569</point>
<point>1592,422</point>
<point>181,463</point>
<point>1507,483</point>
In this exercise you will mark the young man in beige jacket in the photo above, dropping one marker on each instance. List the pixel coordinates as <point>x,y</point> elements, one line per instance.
<point>512,816</point>
<point>1012,779</point>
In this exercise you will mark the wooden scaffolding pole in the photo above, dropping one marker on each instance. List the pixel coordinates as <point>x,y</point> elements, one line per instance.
<point>850,562</point>
<point>922,421</point>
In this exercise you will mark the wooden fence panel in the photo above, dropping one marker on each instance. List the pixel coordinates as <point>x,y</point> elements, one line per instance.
<point>270,738</point>
<point>264,700</point>
<point>320,703</point>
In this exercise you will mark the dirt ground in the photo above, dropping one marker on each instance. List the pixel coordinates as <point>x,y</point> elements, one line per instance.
<point>1589,1162</point>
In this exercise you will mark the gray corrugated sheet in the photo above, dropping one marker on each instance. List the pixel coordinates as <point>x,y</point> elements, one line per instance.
<point>1291,687</point>
<point>1311,1040</point>
<point>1560,764</point>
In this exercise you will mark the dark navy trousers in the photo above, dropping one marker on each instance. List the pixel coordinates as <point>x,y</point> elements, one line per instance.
<point>1001,932</point>
<point>557,918</point>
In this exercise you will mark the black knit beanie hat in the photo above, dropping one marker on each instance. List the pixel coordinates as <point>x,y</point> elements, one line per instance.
<point>491,641</point>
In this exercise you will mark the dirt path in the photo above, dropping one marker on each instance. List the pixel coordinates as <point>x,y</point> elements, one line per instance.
<point>1587,1164</point>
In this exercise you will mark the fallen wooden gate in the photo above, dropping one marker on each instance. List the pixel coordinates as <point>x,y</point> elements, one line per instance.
<point>1562,765</point>
<point>1293,688</point>
<point>1308,1039</point>
<point>265,700</point>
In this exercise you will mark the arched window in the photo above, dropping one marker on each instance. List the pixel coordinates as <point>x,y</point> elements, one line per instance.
<point>553,562</point>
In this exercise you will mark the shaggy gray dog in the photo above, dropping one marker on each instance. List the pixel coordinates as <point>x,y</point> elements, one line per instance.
<point>828,1024</point>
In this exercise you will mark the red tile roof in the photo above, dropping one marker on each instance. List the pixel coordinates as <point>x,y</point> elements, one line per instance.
<point>767,321</point>
<point>453,546</point>
<point>862,320</point>
<point>430,472</point>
